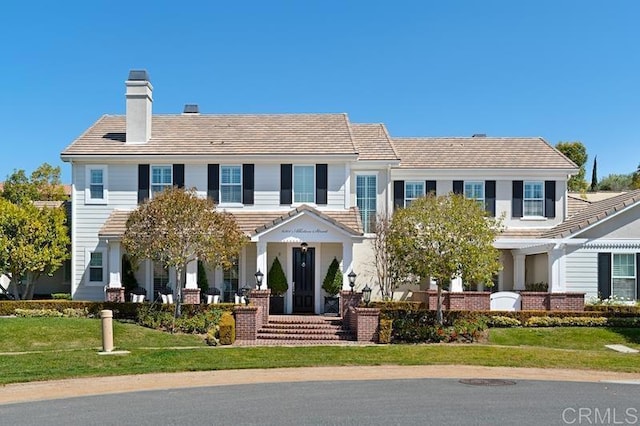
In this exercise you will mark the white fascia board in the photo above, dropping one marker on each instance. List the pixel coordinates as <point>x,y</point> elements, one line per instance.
<point>374,164</point>
<point>461,174</point>
<point>218,158</point>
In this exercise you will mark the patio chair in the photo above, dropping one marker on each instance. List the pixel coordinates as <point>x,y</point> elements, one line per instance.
<point>166,295</point>
<point>212,296</point>
<point>138,294</point>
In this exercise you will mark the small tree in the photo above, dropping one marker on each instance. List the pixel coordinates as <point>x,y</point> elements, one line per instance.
<point>446,237</point>
<point>577,153</point>
<point>594,175</point>
<point>43,185</point>
<point>33,242</point>
<point>332,283</point>
<point>177,227</point>
<point>276,279</point>
<point>203,281</point>
<point>391,271</point>
<point>635,178</point>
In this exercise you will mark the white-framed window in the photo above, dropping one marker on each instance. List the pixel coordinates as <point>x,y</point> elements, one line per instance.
<point>96,184</point>
<point>412,191</point>
<point>161,178</point>
<point>304,184</point>
<point>96,266</point>
<point>623,275</point>
<point>366,200</point>
<point>230,184</point>
<point>533,199</point>
<point>474,190</point>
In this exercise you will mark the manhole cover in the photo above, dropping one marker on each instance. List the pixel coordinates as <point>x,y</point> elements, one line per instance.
<point>487,382</point>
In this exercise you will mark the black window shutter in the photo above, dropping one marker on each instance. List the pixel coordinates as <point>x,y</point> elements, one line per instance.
<point>321,183</point>
<point>550,198</point>
<point>178,175</point>
<point>604,275</point>
<point>213,182</point>
<point>398,193</point>
<point>143,182</point>
<point>516,198</point>
<point>490,197</point>
<point>637,275</point>
<point>430,187</point>
<point>247,183</point>
<point>286,182</point>
<point>458,187</point>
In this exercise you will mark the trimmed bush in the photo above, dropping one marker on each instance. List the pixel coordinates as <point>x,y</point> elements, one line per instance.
<point>37,313</point>
<point>203,281</point>
<point>61,296</point>
<point>503,321</point>
<point>276,279</point>
<point>332,283</point>
<point>384,332</point>
<point>227,329</point>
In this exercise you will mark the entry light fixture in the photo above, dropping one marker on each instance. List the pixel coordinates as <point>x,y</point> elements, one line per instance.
<point>259,276</point>
<point>366,295</point>
<point>304,247</point>
<point>352,279</point>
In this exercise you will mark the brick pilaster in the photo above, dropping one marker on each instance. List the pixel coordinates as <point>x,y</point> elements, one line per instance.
<point>191,296</point>
<point>261,298</point>
<point>246,322</point>
<point>348,300</point>
<point>367,324</point>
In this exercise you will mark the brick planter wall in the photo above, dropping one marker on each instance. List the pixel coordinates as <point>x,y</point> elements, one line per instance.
<point>247,322</point>
<point>367,324</point>
<point>535,300</point>
<point>477,300</point>
<point>481,300</point>
<point>114,294</point>
<point>261,298</point>
<point>566,301</point>
<point>191,296</point>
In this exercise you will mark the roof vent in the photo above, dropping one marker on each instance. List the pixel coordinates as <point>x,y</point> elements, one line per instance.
<point>479,135</point>
<point>138,75</point>
<point>191,109</point>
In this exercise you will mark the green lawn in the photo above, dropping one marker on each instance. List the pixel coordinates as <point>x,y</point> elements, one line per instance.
<point>67,347</point>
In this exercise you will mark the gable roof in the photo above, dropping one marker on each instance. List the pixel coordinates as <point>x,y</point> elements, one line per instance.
<point>252,222</point>
<point>479,153</point>
<point>193,134</point>
<point>594,213</point>
<point>373,142</point>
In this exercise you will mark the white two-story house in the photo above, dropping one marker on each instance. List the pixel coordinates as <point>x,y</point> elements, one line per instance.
<point>307,188</point>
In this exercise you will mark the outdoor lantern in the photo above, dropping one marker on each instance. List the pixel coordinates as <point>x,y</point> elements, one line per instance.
<point>259,276</point>
<point>352,279</point>
<point>303,247</point>
<point>366,295</point>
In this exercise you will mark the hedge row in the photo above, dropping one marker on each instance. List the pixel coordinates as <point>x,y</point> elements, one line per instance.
<point>127,310</point>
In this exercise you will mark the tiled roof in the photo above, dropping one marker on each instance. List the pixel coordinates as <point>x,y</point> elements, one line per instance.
<point>193,134</point>
<point>576,203</point>
<point>522,233</point>
<point>252,222</point>
<point>479,153</point>
<point>593,214</point>
<point>373,142</point>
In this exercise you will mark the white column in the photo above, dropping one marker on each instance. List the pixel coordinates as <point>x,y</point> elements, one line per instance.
<point>347,264</point>
<point>115,263</point>
<point>261,262</point>
<point>518,270</point>
<point>192,275</point>
<point>456,285</point>
<point>556,269</point>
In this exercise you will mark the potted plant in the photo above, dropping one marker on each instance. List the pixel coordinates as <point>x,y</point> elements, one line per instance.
<point>332,285</point>
<point>277,282</point>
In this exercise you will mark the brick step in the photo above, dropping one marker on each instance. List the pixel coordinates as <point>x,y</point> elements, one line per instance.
<point>303,320</point>
<point>305,337</point>
<point>283,326</point>
<point>296,331</point>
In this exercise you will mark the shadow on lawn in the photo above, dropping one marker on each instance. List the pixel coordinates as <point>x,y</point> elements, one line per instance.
<point>630,334</point>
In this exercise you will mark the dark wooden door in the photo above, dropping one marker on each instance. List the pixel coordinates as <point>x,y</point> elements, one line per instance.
<point>303,274</point>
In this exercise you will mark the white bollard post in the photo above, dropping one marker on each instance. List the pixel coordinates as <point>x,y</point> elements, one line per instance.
<point>107,330</point>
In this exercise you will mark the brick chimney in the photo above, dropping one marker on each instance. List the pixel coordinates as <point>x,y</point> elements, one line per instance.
<point>139,101</point>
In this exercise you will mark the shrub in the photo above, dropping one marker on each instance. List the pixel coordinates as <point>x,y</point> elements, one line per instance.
<point>203,281</point>
<point>502,321</point>
<point>276,279</point>
<point>384,333</point>
<point>161,317</point>
<point>332,283</point>
<point>75,312</point>
<point>213,336</point>
<point>36,313</point>
<point>61,296</point>
<point>539,286</point>
<point>227,329</point>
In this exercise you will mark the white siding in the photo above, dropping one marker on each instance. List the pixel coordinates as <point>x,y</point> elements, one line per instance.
<point>336,186</point>
<point>582,272</point>
<point>267,186</point>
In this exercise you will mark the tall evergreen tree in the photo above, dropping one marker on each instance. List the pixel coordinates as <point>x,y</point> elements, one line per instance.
<point>594,175</point>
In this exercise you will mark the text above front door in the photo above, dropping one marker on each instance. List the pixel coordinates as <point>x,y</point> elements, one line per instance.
<point>303,276</point>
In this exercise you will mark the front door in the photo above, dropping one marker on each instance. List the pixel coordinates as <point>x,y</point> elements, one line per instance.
<point>303,285</point>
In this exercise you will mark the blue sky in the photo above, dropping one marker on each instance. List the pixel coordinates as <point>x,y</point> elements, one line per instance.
<point>563,70</point>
